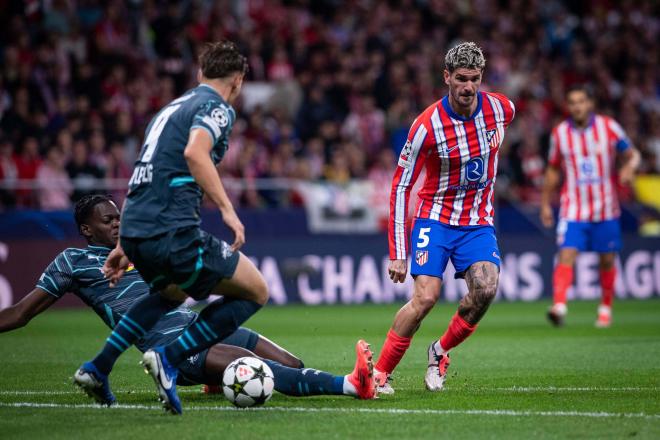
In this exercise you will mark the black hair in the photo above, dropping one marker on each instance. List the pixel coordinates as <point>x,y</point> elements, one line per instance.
<point>221,59</point>
<point>85,206</point>
<point>580,87</point>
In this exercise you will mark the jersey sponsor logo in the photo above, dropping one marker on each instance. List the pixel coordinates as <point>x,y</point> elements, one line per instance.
<point>141,174</point>
<point>220,116</point>
<point>421,257</point>
<point>587,166</point>
<point>475,185</point>
<point>405,156</point>
<point>474,169</point>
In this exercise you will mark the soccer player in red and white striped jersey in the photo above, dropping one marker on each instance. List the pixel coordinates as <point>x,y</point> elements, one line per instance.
<point>456,140</point>
<point>584,149</point>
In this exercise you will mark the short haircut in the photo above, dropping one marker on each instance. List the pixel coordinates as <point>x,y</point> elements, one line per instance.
<point>465,55</point>
<point>580,87</point>
<point>221,59</point>
<point>85,206</point>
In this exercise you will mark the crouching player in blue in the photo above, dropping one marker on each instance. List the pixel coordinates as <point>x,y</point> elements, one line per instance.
<point>79,271</point>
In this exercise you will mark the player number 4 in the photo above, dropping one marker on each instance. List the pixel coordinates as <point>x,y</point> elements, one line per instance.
<point>423,237</point>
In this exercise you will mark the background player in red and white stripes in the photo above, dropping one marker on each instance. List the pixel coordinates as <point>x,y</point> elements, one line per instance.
<point>584,149</point>
<point>457,140</point>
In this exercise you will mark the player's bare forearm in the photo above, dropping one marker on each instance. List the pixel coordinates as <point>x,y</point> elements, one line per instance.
<point>631,161</point>
<point>198,158</point>
<point>550,182</point>
<point>21,313</point>
<point>482,279</point>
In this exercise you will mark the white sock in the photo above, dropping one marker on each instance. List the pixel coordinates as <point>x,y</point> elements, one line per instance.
<point>349,388</point>
<point>604,310</point>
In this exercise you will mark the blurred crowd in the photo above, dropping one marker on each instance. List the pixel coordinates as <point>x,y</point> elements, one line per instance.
<point>332,88</point>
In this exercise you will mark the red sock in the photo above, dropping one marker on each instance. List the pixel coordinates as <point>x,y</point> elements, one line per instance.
<point>393,350</point>
<point>607,277</point>
<point>459,329</point>
<point>561,280</point>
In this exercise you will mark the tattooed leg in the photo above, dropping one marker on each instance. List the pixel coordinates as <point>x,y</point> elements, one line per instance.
<point>482,278</point>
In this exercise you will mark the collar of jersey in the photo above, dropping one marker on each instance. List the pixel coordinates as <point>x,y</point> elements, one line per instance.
<point>453,114</point>
<point>210,88</point>
<point>592,119</point>
<point>99,249</point>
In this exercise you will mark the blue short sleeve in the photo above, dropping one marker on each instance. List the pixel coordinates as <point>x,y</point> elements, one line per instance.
<point>215,118</point>
<point>57,279</point>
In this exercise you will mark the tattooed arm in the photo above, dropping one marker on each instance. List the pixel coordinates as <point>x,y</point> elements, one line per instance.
<point>482,278</point>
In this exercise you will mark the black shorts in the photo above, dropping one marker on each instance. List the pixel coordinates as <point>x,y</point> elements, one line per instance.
<point>189,257</point>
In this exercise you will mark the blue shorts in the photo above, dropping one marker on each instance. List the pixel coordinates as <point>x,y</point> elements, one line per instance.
<point>434,243</point>
<point>602,237</point>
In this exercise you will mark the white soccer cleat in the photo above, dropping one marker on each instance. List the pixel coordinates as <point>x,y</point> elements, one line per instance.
<point>557,314</point>
<point>382,380</point>
<point>604,317</point>
<point>436,373</point>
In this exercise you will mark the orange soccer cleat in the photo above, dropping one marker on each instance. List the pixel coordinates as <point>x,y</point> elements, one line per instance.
<point>212,389</point>
<point>362,377</point>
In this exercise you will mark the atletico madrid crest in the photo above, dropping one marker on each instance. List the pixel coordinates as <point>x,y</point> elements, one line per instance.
<point>421,257</point>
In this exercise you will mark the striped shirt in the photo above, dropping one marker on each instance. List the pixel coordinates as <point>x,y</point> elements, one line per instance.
<point>587,158</point>
<point>460,156</point>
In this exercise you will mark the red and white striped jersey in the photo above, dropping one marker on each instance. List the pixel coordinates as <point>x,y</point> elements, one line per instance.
<point>587,158</point>
<point>460,157</point>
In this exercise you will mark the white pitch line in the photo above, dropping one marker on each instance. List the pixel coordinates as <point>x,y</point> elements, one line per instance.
<point>440,412</point>
<point>72,392</point>
<point>514,389</point>
<point>570,389</point>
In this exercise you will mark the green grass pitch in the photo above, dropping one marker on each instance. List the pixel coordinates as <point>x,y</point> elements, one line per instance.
<point>515,378</point>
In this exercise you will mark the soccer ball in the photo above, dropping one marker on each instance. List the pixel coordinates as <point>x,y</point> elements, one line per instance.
<point>247,382</point>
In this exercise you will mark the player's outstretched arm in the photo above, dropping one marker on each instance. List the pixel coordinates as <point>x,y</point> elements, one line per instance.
<point>21,313</point>
<point>198,157</point>
<point>631,160</point>
<point>550,182</point>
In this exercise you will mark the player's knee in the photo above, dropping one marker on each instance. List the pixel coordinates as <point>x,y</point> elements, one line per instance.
<point>567,257</point>
<point>260,291</point>
<point>424,301</point>
<point>607,261</point>
<point>426,295</point>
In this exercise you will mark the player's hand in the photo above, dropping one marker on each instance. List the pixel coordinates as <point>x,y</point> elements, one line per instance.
<point>115,265</point>
<point>547,216</point>
<point>626,176</point>
<point>398,270</point>
<point>231,220</point>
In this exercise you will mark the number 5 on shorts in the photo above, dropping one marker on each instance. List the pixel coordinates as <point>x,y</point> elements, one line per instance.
<point>423,237</point>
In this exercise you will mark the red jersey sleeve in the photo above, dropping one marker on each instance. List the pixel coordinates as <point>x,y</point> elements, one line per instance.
<point>508,107</point>
<point>411,162</point>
